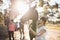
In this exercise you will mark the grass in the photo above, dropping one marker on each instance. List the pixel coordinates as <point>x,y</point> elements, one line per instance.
<point>57,28</point>
<point>53,26</point>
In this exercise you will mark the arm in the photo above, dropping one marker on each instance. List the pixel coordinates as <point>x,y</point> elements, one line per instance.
<point>33,31</point>
<point>41,32</point>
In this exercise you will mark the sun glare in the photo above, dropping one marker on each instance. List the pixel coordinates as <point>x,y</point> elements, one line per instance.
<point>22,8</point>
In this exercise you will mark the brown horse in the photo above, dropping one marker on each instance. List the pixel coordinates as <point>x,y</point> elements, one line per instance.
<point>31,14</point>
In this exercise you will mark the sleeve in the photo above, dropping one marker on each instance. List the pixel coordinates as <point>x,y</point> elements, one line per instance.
<point>43,27</point>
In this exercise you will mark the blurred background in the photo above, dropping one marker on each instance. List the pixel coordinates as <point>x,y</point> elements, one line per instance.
<point>23,10</point>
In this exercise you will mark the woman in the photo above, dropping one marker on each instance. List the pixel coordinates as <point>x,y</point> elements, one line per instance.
<point>41,29</point>
<point>11,27</point>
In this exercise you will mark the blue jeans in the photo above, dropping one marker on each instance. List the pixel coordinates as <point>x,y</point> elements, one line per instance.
<point>11,34</point>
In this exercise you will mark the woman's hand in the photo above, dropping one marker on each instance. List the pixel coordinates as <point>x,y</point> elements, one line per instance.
<point>38,35</point>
